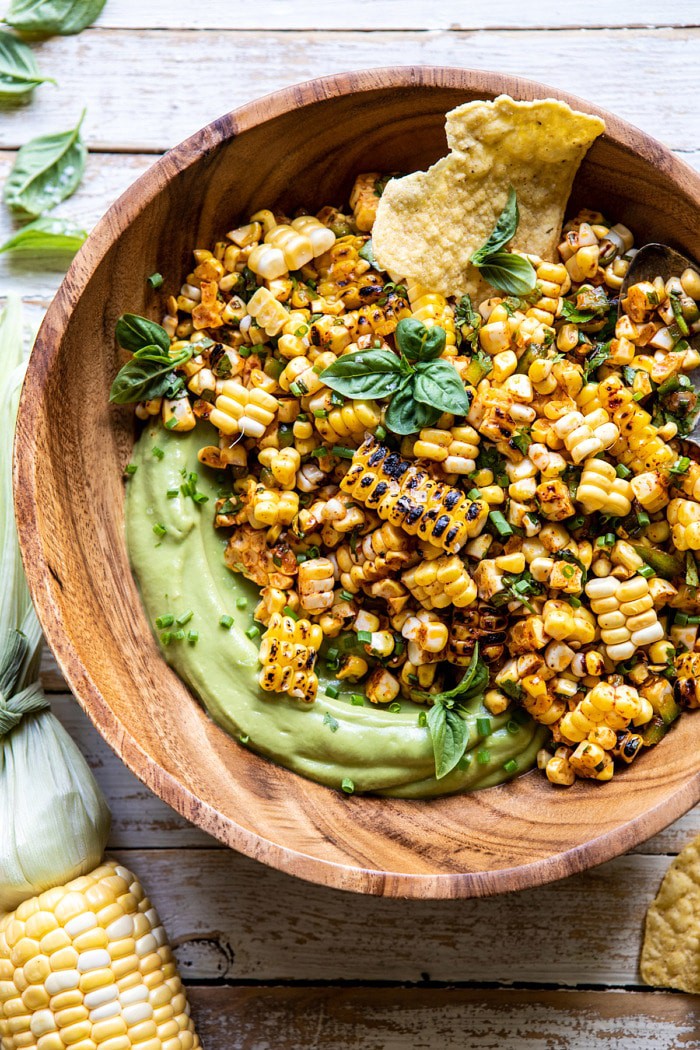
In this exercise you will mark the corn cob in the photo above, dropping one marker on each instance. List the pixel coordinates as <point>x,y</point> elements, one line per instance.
<point>638,447</point>
<point>684,518</point>
<point>288,652</point>
<point>605,705</point>
<point>315,585</point>
<point>348,422</point>
<point>88,965</point>
<point>439,582</point>
<point>376,319</point>
<point>455,449</point>
<point>241,411</point>
<point>601,489</point>
<point>407,496</point>
<point>364,200</point>
<point>626,614</point>
<point>427,638</point>
<point>272,507</point>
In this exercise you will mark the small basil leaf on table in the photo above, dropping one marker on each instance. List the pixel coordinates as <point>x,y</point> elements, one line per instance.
<point>364,374</point>
<point>46,171</point>
<point>437,383</point>
<point>137,333</point>
<point>405,415</point>
<point>509,273</point>
<point>449,735</point>
<point>19,73</point>
<point>503,231</point>
<point>144,379</point>
<point>46,17</point>
<point>46,236</point>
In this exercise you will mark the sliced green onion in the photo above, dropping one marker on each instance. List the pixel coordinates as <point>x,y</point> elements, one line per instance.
<point>166,637</point>
<point>346,596</point>
<point>226,621</point>
<point>157,452</point>
<point>155,280</point>
<point>500,524</point>
<point>253,632</point>
<point>241,603</point>
<point>130,469</point>
<point>178,636</point>
<point>193,637</point>
<point>167,620</point>
<point>513,727</point>
<point>336,398</point>
<point>646,571</point>
<point>643,518</point>
<point>288,611</point>
<point>171,423</point>
<point>473,494</point>
<point>365,637</point>
<point>681,619</point>
<point>483,726</point>
<point>357,700</point>
<point>394,708</point>
<point>681,466</point>
<point>332,655</point>
<point>380,433</point>
<point>348,786</point>
<point>184,618</point>
<point>343,452</point>
<point>320,413</point>
<point>574,602</point>
<point>172,493</point>
<point>159,529</point>
<point>622,471</point>
<point>333,691</point>
<point>483,756</point>
<point>511,766</point>
<point>422,719</point>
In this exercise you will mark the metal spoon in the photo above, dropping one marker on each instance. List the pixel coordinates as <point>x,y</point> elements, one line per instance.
<point>658,260</point>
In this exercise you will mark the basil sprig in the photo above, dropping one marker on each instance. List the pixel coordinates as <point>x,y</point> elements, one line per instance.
<point>151,371</point>
<point>48,236</point>
<point>46,17</point>
<point>421,387</point>
<point>46,170</point>
<point>505,271</point>
<point>19,73</point>
<point>449,733</point>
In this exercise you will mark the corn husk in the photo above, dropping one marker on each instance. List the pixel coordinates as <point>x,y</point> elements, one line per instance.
<point>54,821</point>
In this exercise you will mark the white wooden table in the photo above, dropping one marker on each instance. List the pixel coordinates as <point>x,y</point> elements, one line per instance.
<point>273,962</point>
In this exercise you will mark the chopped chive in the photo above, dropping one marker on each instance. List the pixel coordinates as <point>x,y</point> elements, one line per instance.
<point>394,708</point>
<point>130,469</point>
<point>159,529</point>
<point>574,602</point>
<point>622,471</point>
<point>643,518</point>
<point>332,655</point>
<point>193,637</point>
<point>319,452</point>
<point>199,497</point>
<point>295,389</point>
<point>483,726</point>
<point>348,786</point>
<point>357,700</point>
<point>365,637</point>
<point>253,632</point>
<point>244,738</point>
<point>694,620</point>
<point>245,351</point>
<point>483,756</point>
<point>465,761</point>
<point>288,611</point>
<point>184,618</point>
<point>226,621</point>
<point>578,521</point>
<point>380,433</point>
<point>166,637</point>
<point>241,603</point>
<point>474,494</point>
<point>346,596</point>
<point>302,417</point>
<point>155,280</point>
<point>333,691</point>
<point>646,571</point>
<point>320,413</point>
<point>422,719</point>
<point>681,466</point>
<point>511,766</point>
<point>157,452</point>
<point>178,636</point>
<point>681,619</point>
<point>500,524</point>
<point>166,620</point>
<point>172,493</point>
<point>343,452</point>
<point>171,423</point>
<point>301,558</point>
<point>513,727</point>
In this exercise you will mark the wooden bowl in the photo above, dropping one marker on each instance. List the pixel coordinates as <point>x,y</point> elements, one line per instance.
<point>302,145</point>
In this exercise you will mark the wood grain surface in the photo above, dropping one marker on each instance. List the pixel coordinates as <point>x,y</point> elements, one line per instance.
<point>646,75</point>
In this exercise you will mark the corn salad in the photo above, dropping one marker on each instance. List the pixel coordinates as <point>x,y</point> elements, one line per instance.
<point>555,523</point>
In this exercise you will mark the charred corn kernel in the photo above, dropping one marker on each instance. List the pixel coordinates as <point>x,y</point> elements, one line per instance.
<point>560,771</point>
<point>407,496</point>
<point>555,500</point>
<point>651,490</point>
<point>288,652</point>
<point>639,447</point>
<point>315,585</point>
<point>111,990</point>
<point>177,414</point>
<point>684,518</point>
<point>238,410</point>
<point>601,489</point>
<point>322,239</point>
<point>504,365</point>
<point>267,311</point>
<point>476,623</point>
<point>353,667</point>
<point>496,702</point>
<point>364,200</point>
<point>591,761</point>
<point>441,582</point>
<point>267,261</point>
<point>272,507</point>
<point>539,703</point>
<point>283,464</point>
<point>586,436</point>
<point>381,687</point>
<point>427,637</point>
<point>495,337</point>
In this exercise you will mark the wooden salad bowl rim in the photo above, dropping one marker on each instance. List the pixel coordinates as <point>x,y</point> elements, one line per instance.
<point>341,870</point>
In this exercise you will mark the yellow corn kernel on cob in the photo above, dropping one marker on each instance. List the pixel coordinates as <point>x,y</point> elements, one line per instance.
<point>315,582</point>
<point>605,705</point>
<point>684,518</point>
<point>364,200</point>
<point>288,652</point>
<point>455,449</point>
<point>626,614</point>
<point>427,637</point>
<point>585,436</point>
<point>88,965</point>
<point>241,411</point>
<point>322,239</point>
<point>283,464</point>
<point>407,496</point>
<point>272,507</point>
<point>440,582</point>
<point>340,270</point>
<point>639,447</point>
<point>348,422</point>
<point>379,319</point>
<point>601,489</point>
<point>293,243</point>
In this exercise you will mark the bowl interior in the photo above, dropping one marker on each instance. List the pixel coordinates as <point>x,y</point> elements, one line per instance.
<point>302,146</point>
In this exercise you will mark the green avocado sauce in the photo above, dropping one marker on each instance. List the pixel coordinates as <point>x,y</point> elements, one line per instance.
<point>181,570</point>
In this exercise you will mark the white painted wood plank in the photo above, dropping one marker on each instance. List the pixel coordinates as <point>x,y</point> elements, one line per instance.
<point>147,90</point>
<point>392,14</point>
<point>229,919</point>
<point>441,1019</point>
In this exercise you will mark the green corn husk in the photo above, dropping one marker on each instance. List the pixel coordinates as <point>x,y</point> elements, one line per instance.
<point>54,821</point>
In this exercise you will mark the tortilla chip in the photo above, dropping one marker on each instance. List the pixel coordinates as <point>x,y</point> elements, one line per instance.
<point>429,223</point>
<point>671,951</point>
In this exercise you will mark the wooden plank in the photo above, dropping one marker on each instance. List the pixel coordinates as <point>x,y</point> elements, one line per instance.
<point>440,1019</point>
<point>200,75</point>
<point>142,820</point>
<point>231,919</point>
<point>390,14</point>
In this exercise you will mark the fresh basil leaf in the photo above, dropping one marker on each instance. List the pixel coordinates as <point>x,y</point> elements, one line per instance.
<point>19,73</point>
<point>366,373</point>
<point>571,312</point>
<point>46,171</point>
<point>46,236</point>
<point>142,380</point>
<point>152,353</point>
<point>48,17</point>
<point>449,735</point>
<point>597,358</point>
<point>437,383</point>
<point>509,273</point>
<point>503,231</point>
<point>405,415</point>
<point>366,252</point>
<point>135,333</point>
<point>417,342</point>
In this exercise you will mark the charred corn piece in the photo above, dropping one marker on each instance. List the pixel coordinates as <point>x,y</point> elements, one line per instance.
<point>288,652</point>
<point>272,507</point>
<point>440,582</point>
<point>315,584</point>
<point>612,706</point>
<point>89,965</point>
<point>409,497</point>
<point>321,238</point>
<point>601,489</point>
<point>585,436</point>
<point>639,447</point>
<point>626,614</point>
<point>455,449</point>
<point>267,311</point>
<point>241,411</point>
<point>364,200</point>
<point>684,518</point>
<point>589,760</point>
